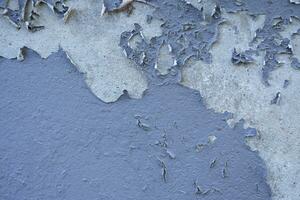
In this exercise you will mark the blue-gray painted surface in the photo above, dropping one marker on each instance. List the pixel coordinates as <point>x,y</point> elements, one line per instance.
<point>191,35</point>
<point>26,12</point>
<point>58,141</point>
<point>188,32</point>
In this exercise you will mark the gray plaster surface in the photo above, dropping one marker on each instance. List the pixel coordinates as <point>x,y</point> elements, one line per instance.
<point>58,141</point>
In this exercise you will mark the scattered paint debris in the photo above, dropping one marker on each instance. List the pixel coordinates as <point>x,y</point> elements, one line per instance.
<point>276,99</point>
<point>143,125</point>
<point>241,58</point>
<point>171,154</point>
<point>286,83</point>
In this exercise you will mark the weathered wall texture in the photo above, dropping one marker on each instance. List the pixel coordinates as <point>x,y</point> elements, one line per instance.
<point>91,42</point>
<point>238,89</point>
<point>243,57</point>
<point>59,142</point>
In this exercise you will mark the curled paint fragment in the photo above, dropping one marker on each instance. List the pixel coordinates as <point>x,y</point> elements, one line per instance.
<point>286,83</point>
<point>211,139</point>
<point>117,5</point>
<point>163,170</point>
<point>110,6</point>
<point>27,12</point>
<point>171,154</point>
<point>295,63</point>
<point>21,56</point>
<point>33,28</point>
<point>57,6</point>
<point>68,14</point>
<point>213,163</point>
<point>276,99</point>
<point>199,190</point>
<point>295,1</point>
<point>12,16</point>
<point>217,12</point>
<point>241,58</point>
<point>143,125</point>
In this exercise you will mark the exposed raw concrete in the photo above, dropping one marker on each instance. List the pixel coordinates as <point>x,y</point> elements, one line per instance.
<point>91,42</point>
<point>165,60</point>
<point>60,142</point>
<point>239,90</point>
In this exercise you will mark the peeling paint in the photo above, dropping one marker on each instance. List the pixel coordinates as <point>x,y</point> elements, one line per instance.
<point>60,142</point>
<point>107,71</point>
<point>207,39</point>
<point>226,87</point>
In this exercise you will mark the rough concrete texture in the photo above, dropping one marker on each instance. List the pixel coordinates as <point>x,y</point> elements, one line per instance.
<point>239,90</point>
<point>91,42</point>
<point>58,141</point>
